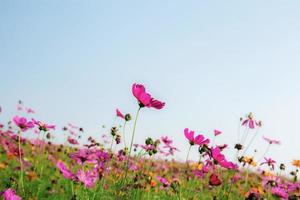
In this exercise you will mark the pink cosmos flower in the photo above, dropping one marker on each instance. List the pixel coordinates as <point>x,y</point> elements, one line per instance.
<point>167,141</point>
<point>145,98</point>
<point>270,162</point>
<point>214,180</point>
<point>22,123</point>
<point>163,181</point>
<point>279,192</point>
<point>199,139</point>
<point>88,178</point>
<point>29,110</point>
<point>250,122</point>
<point>42,126</point>
<point>64,170</point>
<point>119,114</point>
<point>217,132</point>
<point>220,158</point>
<point>72,141</point>
<point>271,141</point>
<point>10,194</point>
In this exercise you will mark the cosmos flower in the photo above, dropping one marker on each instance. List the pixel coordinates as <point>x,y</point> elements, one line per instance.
<point>29,110</point>
<point>10,194</point>
<point>42,126</point>
<point>119,114</point>
<point>64,170</point>
<point>22,123</point>
<point>271,141</point>
<point>250,122</point>
<point>199,139</point>
<point>270,162</point>
<point>214,180</point>
<point>279,192</point>
<point>296,163</point>
<point>167,141</point>
<point>144,98</point>
<point>221,160</point>
<point>88,178</point>
<point>163,181</point>
<point>217,132</point>
<point>72,140</point>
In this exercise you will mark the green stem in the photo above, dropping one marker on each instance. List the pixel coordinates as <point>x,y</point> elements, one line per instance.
<point>187,156</point>
<point>21,163</point>
<point>131,143</point>
<point>124,134</point>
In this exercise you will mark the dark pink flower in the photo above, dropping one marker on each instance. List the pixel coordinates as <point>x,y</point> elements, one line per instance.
<point>119,114</point>
<point>214,180</point>
<point>220,159</point>
<point>217,132</point>
<point>199,139</point>
<point>279,192</point>
<point>145,98</point>
<point>269,161</point>
<point>22,123</point>
<point>271,141</point>
<point>42,126</point>
<point>163,181</point>
<point>10,194</point>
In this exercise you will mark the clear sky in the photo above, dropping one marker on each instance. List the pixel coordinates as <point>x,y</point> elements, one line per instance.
<point>210,61</point>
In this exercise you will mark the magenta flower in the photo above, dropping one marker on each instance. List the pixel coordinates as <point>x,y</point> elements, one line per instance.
<point>250,122</point>
<point>163,181</point>
<point>64,170</point>
<point>214,180</point>
<point>145,98</point>
<point>42,126</point>
<point>22,123</point>
<point>221,160</point>
<point>119,114</point>
<point>217,132</point>
<point>271,141</point>
<point>279,192</point>
<point>199,139</point>
<point>270,162</point>
<point>10,194</point>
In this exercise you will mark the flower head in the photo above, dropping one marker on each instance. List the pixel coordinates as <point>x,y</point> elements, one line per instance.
<point>199,139</point>
<point>217,132</point>
<point>10,194</point>
<point>42,126</point>
<point>296,163</point>
<point>22,123</point>
<point>270,162</point>
<point>214,180</point>
<point>145,98</point>
<point>119,114</point>
<point>271,141</point>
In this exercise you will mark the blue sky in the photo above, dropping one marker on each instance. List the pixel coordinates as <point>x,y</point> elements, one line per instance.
<point>210,61</point>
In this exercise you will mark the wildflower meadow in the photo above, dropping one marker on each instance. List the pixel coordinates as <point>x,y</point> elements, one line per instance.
<point>117,167</point>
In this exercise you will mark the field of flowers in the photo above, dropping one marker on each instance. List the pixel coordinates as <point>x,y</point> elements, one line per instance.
<point>117,168</point>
